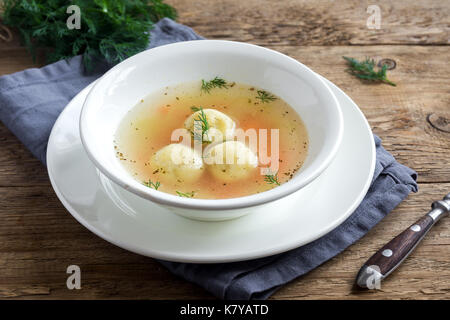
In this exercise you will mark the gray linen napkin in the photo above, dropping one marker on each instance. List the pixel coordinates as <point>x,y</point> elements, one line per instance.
<point>31,100</point>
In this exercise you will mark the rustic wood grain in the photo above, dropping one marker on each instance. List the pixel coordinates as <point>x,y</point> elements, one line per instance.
<point>291,22</point>
<point>39,238</point>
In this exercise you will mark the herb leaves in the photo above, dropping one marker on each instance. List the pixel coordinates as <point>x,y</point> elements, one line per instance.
<point>201,125</point>
<point>365,70</point>
<point>152,185</point>
<point>272,179</point>
<point>186,195</point>
<point>265,97</point>
<point>214,83</point>
<point>110,29</point>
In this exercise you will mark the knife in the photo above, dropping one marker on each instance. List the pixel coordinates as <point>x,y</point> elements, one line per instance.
<point>389,257</point>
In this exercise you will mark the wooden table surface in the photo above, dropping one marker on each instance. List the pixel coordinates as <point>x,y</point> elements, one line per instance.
<point>39,238</point>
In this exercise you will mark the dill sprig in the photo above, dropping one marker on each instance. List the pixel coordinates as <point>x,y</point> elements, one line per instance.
<point>201,125</point>
<point>214,83</point>
<point>272,179</point>
<point>153,185</point>
<point>365,70</point>
<point>186,195</point>
<point>265,96</point>
<point>110,29</point>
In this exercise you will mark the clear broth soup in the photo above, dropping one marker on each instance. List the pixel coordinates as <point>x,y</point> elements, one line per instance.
<point>148,127</point>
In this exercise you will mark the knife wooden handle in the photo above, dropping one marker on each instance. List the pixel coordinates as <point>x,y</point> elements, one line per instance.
<point>389,257</point>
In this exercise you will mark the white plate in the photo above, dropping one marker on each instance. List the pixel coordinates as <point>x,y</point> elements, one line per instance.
<point>133,223</point>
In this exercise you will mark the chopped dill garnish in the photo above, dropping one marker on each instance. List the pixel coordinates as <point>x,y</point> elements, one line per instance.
<point>272,179</point>
<point>201,125</point>
<point>265,96</point>
<point>186,195</point>
<point>153,185</point>
<point>214,83</point>
<point>365,70</point>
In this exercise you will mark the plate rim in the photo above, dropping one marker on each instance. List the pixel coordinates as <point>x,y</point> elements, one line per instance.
<point>212,258</point>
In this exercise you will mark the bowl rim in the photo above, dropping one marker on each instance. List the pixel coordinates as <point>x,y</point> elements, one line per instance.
<point>213,204</point>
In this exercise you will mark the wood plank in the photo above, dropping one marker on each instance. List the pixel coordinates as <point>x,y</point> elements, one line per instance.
<point>323,22</point>
<point>397,114</point>
<point>39,239</point>
<point>16,59</point>
<point>17,164</point>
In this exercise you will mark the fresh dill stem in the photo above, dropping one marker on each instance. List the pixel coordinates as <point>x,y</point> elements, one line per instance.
<point>272,179</point>
<point>152,185</point>
<point>186,195</point>
<point>214,83</point>
<point>265,96</point>
<point>365,70</point>
<point>200,124</point>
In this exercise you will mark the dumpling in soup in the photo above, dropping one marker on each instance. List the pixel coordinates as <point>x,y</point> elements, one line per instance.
<point>177,162</point>
<point>220,125</point>
<point>230,161</point>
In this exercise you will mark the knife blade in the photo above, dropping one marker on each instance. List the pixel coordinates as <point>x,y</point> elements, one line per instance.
<point>390,256</point>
